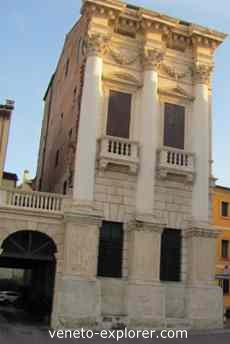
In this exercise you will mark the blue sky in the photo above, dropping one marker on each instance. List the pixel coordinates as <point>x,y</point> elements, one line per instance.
<point>32,34</point>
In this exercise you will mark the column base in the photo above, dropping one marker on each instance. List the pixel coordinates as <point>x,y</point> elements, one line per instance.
<point>146,305</point>
<point>204,305</point>
<point>78,304</point>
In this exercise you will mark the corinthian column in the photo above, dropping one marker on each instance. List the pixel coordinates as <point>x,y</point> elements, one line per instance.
<point>90,107</point>
<point>201,143</point>
<point>149,132</point>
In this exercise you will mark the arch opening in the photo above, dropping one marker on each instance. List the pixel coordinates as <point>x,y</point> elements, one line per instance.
<point>27,276</point>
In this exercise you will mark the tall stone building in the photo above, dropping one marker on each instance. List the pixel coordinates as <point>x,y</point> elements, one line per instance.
<point>127,135</point>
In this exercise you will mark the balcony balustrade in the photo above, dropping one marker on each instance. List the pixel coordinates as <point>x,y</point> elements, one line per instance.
<point>118,151</point>
<point>176,162</point>
<point>41,201</point>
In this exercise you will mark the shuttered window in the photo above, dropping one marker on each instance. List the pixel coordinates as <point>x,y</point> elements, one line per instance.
<point>170,267</point>
<point>174,126</point>
<point>224,248</point>
<point>226,287</point>
<point>110,249</point>
<point>118,119</point>
<point>224,209</point>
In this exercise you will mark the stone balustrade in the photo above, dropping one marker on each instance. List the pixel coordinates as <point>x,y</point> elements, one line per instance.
<point>42,201</point>
<point>118,151</point>
<point>177,162</point>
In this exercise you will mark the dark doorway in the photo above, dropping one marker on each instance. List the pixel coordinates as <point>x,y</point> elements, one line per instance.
<point>27,274</point>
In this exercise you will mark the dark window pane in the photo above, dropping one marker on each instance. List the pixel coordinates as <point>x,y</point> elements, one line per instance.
<point>65,185</point>
<point>224,209</point>
<point>226,286</point>
<point>110,250</point>
<point>67,68</point>
<point>118,120</point>
<point>57,158</point>
<point>174,126</point>
<point>170,255</point>
<point>224,248</point>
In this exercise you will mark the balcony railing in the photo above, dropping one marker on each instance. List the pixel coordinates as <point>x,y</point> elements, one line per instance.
<point>118,151</point>
<point>31,200</point>
<point>176,162</point>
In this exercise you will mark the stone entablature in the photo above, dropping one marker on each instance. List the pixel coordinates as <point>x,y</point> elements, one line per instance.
<point>177,34</point>
<point>101,44</point>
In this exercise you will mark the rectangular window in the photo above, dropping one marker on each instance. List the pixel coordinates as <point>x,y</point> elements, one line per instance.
<point>174,126</point>
<point>67,68</point>
<point>226,287</point>
<point>65,185</point>
<point>170,267</point>
<point>110,249</point>
<point>224,248</point>
<point>224,209</point>
<point>118,119</point>
<point>57,158</point>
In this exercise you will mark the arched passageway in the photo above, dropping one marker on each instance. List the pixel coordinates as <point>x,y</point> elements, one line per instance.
<point>27,268</point>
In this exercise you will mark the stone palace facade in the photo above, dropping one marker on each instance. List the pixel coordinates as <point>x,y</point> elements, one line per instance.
<point>126,136</point>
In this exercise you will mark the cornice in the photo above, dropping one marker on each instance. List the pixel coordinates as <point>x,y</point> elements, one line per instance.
<point>177,33</point>
<point>109,8</point>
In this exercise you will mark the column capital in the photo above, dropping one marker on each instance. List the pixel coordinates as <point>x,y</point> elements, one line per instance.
<point>202,73</point>
<point>82,213</point>
<point>152,58</point>
<point>97,44</point>
<point>199,231</point>
<point>145,226</point>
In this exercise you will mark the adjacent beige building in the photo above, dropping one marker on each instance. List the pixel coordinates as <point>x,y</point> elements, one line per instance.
<point>126,136</point>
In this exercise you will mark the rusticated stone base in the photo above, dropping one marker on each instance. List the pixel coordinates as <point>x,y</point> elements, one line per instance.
<point>205,307</point>
<point>78,304</point>
<point>146,305</point>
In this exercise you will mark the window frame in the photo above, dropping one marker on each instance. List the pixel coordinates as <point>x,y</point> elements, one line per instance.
<point>57,158</point>
<point>102,271</point>
<point>67,65</point>
<point>187,121</point>
<point>221,209</point>
<point>163,134</point>
<point>164,268</point>
<point>113,86</point>
<point>226,282</point>
<point>224,256</point>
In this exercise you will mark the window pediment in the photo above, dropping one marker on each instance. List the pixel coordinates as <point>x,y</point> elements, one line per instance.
<point>122,78</point>
<point>175,92</point>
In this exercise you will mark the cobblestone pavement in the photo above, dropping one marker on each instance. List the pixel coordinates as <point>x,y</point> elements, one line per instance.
<point>14,331</point>
<point>20,334</point>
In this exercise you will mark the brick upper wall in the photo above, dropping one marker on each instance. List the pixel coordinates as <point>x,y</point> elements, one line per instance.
<point>61,114</point>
